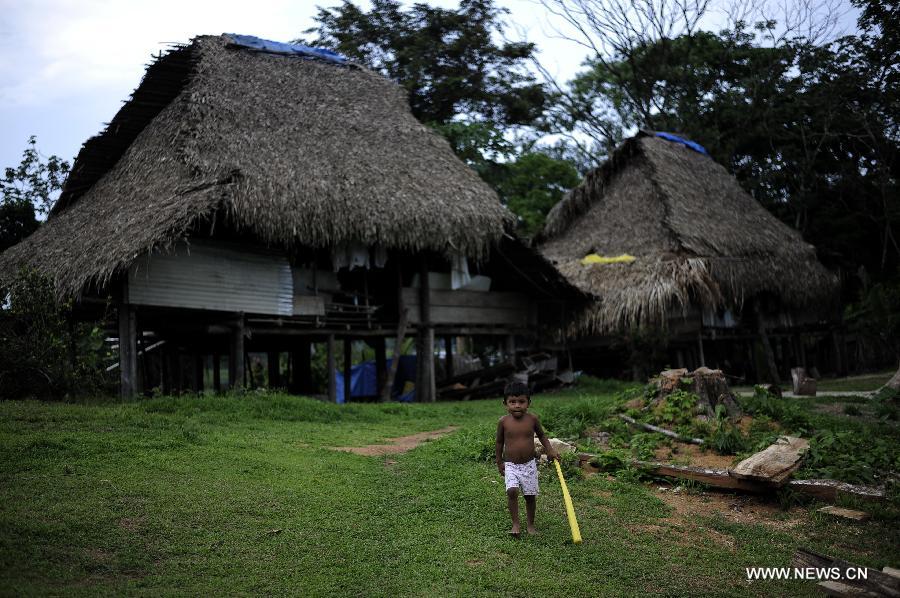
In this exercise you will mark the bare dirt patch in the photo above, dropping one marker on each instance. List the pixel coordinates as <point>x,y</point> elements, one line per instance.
<point>690,454</point>
<point>401,444</point>
<point>132,524</point>
<point>737,508</point>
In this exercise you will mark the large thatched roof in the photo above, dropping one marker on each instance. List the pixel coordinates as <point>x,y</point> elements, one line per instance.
<point>291,150</point>
<point>698,239</point>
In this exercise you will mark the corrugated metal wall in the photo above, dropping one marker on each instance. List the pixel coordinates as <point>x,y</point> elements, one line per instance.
<point>214,276</point>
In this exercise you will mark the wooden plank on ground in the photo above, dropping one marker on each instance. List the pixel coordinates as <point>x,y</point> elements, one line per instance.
<point>774,464</point>
<point>845,513</point>
<point>829,490</point>
<point>718,478</point>
<point>873,581</point>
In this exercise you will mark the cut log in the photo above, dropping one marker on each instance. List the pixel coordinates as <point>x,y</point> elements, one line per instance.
<point>775,464</point>
<point>855,576</point>
<point>659,430</point>
<point>803,384</point>
<point>845,513</point>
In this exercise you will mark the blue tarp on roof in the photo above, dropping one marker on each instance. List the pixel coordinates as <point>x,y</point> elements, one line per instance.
<point>257,43</point>
<point>686,142</point>
<point>364,380</point>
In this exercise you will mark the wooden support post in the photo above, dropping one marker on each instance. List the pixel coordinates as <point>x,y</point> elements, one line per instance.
<point>127,348</point>
<point>165,369</point>
<point>301,367</point>
<point>197,378</point>
<point>216,372</point>
<point>700,347</point>
<point>273,365</point>
<point>348,368</point>
<point>398,341</point>
<point>448,349</point>
<point>426,388</point>
<point>772,375</point>
<point>329,366</point>
<point>380,364</point>
<point>511,348</point>
<point>236,363</point>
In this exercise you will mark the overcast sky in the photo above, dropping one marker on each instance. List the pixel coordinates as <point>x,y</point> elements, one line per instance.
<point>66,66</point>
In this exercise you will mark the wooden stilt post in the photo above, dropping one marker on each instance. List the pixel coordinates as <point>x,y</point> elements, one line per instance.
<point>448,349</point>
<point>772,374</point>
<point>398,341</point>
<point>273,365</point>
<point>348,368</point>
<point>380,364</point>
<point>425,390</point>
<point>127,347</point>
<point>511,348</point>
<point>197,378</point>
<point>236,369</point>
<point>217,372</point>
<point>700,347</point>
<point>329,366</point>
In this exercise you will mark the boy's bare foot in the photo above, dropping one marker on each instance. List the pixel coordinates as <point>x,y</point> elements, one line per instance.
<point>532,531</point>
<point>515,531</point>
<point>514,535</point>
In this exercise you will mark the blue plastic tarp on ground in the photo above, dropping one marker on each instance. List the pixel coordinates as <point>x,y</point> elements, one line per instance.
<point>686,142</point>
<point>257,43</point>
<point>364,379</point>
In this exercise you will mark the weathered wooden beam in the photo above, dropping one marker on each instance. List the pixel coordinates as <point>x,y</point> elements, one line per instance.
<point>830,490</point>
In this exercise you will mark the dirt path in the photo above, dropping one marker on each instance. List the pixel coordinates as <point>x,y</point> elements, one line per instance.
<point>400,444</point>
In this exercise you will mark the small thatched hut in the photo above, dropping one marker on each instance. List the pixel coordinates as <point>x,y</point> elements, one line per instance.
<point>709,262</point>
<point>278,195</point>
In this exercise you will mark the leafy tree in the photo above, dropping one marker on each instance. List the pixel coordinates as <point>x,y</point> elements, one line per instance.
<point>447,60</point>
<point>28,190</point>
<point>531,185</point>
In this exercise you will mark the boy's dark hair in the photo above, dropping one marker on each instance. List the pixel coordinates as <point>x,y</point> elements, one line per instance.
<point>515,388</point>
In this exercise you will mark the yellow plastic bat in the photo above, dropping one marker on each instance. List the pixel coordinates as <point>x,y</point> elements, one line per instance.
<point>570,510</point>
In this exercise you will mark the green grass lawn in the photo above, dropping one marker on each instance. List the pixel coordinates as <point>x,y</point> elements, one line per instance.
<point>241,495</point>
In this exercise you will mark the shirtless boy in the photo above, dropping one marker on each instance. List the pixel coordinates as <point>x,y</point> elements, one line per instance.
<point>515,440</point>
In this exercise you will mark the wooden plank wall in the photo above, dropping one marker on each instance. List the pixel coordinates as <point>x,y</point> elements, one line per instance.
<point>472,307</point>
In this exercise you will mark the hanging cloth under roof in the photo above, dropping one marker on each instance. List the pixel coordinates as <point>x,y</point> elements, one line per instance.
<point>265,45</point>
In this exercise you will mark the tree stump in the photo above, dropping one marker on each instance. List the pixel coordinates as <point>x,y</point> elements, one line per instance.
<point>709,385</point>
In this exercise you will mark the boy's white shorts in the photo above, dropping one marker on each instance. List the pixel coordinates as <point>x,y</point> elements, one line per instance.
<point>523,476</point>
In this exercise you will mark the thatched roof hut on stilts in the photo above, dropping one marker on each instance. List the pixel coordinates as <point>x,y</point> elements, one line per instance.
<point>710,264</point>
<point>259,196</point>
